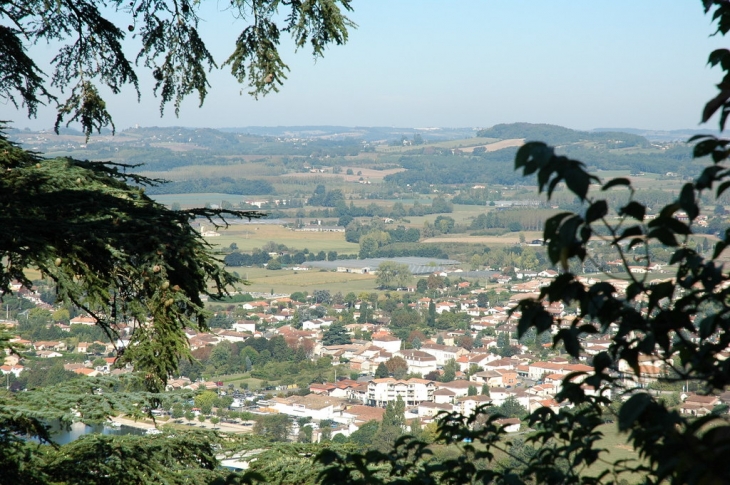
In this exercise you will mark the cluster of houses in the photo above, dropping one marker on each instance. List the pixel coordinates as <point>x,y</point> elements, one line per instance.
<point>48,349</point>
<point>482,376</point>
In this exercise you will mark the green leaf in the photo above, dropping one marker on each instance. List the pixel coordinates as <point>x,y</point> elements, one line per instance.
<point>687,201</point>
<point>629,232</point>
<point>602,361</point>
<point>699,137</point>
<point>633,290</point>
<point>722,188</point>
<point>534,315</point>
<point>585,233</point>
<point>705,147</point>
<point>569,337</point>
<point>635,242</point>
<point>671,224</point>
<point>632,410</point>
<point>634,209</point>
<point>568,230</point>
<point>659,291</point>
<point>578,181</point>
<point>616,182</point>
<point>714,104</point>
<point>587,328</point>
<point>596,210</point>
<point>709,175</point>
<point>664,235</point>
<point>719,56</point>
<point>668,210</point>
<point>533,155</point>
<point>719,155</point>
<point>552,225</point>
<point>719,248</point>
<point>707,326</point>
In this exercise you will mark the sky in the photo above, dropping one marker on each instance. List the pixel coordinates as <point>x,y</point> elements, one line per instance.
<point>463,63</point>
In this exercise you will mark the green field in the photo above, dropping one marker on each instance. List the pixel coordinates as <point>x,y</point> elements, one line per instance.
<point>248,236</point>
<point>463,143</point>
<point>237,379</point>
<point>613,442</point>
<point>287,281</point>
<point>245,166</point>
<point>617,449</point>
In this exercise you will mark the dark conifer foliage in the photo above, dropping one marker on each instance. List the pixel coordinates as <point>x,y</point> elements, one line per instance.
<point>91,35</point>
<point>110,249</point>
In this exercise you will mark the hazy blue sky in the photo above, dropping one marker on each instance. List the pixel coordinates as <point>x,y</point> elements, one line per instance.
<point>426,63</point>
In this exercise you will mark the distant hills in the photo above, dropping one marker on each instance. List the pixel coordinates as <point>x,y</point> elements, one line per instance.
<point>366,133</point>
<point>417,159</point>
<point>661,135</point>
<point>439,134</point>
<point>536,131</point>
<point>559,135</point>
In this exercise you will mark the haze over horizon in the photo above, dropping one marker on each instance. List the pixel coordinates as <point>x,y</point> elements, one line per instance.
<point>466,64</point>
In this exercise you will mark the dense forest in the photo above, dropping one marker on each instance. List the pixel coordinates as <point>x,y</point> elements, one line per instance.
<point>558,135</point>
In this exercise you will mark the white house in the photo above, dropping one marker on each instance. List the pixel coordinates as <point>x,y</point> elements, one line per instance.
<point>419,362</point>
<point>413,391</point>
<point>244,326</point>
<point>511,425</point>
<point>443,353</point>
<point>82,320</point>
<point>480,360</point>
<point>256,305</point>
<point>233,336</point>
<point>316,324</point>
<point>387,342</point>
<point>445,306</point>
<point>468,404</point>
<point>444,396</point>
<point>537,370</point>
<point>313,406</point>
<point>12,369</point>
<point>431,409</point>
<point>48,354</point>
<point>460,388</point>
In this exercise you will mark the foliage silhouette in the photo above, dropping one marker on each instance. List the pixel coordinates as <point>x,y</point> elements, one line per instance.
<point>652,320</point>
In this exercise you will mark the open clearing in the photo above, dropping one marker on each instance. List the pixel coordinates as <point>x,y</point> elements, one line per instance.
<point>248,236</point>
<point>365,173</point>
<point>460,144</point>
<point>493,147</point>
<point>288,281</point>
<point>511,238</point>
<point>234,170</point>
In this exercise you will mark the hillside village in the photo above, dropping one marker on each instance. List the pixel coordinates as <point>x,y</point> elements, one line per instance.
<point>455,369</point>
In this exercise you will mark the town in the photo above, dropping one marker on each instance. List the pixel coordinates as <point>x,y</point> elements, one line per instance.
<point>452,351</point>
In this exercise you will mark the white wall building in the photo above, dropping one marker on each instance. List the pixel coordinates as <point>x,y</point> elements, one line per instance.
<point>467,405</point>
<point>431,409</point>
<point>244,326</point>
<point>315,324</point>
<point>388,343</point>
<point>419,362</point>
<point>312,406</point>
<point>413,391</point>
<point>444,353</point>
<point>460,388</point>
<point>12,369</point>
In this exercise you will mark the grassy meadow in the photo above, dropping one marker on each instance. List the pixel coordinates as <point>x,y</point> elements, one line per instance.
<point>463,143</point>
<point>248,236</point>
<point>288,281</point>
<point>613,442</point>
